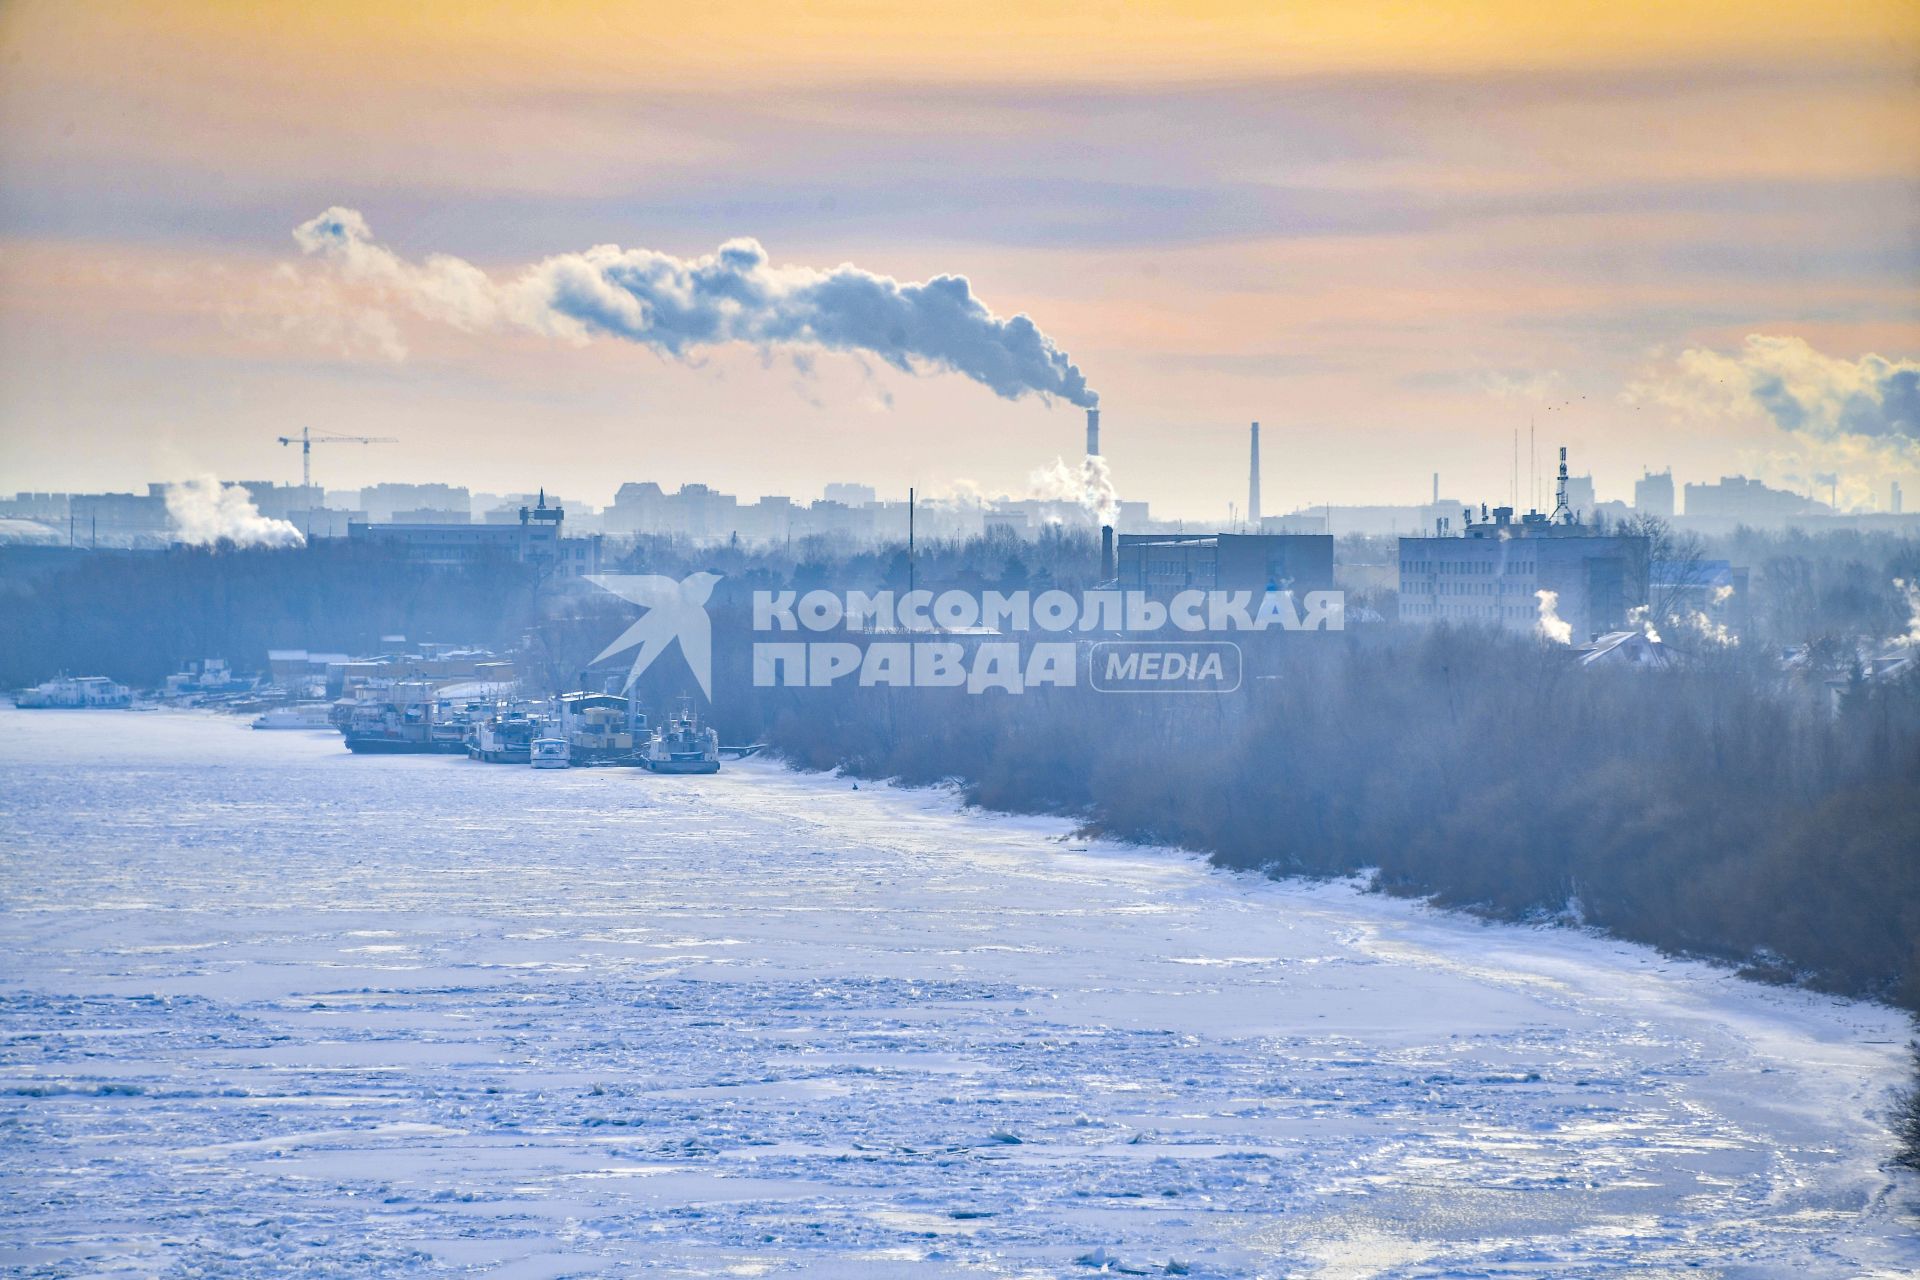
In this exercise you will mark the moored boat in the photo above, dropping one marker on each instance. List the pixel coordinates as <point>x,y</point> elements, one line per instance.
<point>506,737</point>
<point>682,745</point>
<point>74,693</point>
<point>302,715</point>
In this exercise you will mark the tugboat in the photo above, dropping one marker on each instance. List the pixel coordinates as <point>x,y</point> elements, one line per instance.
<point>601,728</point>
<point>398,720</point>
<point>390,731</point>
<point>505,737</point>
<point>682,746</point>
<point>549,753</point>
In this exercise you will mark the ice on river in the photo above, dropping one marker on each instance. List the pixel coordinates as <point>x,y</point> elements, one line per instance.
<point>272,1009</point>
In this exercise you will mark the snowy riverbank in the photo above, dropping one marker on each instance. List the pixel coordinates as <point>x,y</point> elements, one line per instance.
<point>270,1008</point>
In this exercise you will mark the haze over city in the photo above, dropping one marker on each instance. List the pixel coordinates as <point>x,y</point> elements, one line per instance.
<point>1392,234</point>
<point>917,640</point>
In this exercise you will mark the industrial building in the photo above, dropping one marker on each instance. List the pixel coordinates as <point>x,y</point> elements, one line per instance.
<point>1490,571</point>
<point>535,540</point>
<point>1493,569</point>
<point>1162,564</point>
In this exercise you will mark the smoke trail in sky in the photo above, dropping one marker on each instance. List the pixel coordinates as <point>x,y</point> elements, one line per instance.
<point>735,294</point>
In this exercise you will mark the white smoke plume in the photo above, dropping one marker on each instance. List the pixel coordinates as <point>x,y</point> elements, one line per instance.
<point>204,512</point>
<point>1090,484</point>
<point>676,305</point>
<point>1551,625</point>
<point>1711,631</point>
<point>1911,590</point>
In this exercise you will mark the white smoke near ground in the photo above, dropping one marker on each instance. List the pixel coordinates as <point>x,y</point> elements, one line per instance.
<point>1551,624</point>
<point>1090,485</point>
<point>1641,616</point>
<point>677,305</point>
<point>962,495</point>
<point>1710,630</point>
<point>205,512</point>
<point>1911,590</point>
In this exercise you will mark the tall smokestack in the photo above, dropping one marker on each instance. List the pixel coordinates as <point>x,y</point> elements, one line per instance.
<point>1436,488</point>
<point>1108,570</point>
<point>1253,481</point>
<point>1093,433</point>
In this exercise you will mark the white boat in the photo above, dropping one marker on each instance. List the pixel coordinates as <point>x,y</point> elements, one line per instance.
<point>682,746</point>
<point>304,715</point>
<point>549,753</point>
<point>70,692</point>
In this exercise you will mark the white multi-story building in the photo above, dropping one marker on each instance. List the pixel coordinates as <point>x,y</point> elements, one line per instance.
<point>1492,572</point>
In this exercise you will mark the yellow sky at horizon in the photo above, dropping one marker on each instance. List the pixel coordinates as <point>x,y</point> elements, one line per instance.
<point>597,43</point>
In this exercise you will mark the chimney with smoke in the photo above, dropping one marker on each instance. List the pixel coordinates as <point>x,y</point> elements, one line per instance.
<point>1093,433</point>
<point>1108,569</point>
<point>1253,483</point>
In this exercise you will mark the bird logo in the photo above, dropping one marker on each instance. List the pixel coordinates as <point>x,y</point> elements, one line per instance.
<point>674,611</point>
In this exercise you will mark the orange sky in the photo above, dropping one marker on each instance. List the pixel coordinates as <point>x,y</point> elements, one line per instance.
<point>1363,224</point>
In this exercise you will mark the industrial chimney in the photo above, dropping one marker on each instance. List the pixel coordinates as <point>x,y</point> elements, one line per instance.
<point>1253,482</point>
<point>1093,433</point>
<point>1108,570</point>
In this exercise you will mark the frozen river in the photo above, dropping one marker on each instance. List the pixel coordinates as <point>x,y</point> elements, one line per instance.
<point>271,1009</point>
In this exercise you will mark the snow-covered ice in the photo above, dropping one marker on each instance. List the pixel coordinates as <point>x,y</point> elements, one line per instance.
<point>268,1008</point>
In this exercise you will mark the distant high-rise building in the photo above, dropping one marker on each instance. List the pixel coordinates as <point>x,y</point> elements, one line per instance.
<point>1739,498</point>
<point>1580,496</point>
<point>851,495</point>
<point>1653,494</point>
<point>381,501</point>
<point>1894,498</point>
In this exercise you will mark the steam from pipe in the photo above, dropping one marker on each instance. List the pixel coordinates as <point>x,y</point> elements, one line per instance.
<point>1551,625</point>
<point>677,305</point>
<point>205,512</point>
<point>1090,484</point>
<point>1911,591</point>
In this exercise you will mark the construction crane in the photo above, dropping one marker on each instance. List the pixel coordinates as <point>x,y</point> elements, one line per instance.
<point>306,440</point>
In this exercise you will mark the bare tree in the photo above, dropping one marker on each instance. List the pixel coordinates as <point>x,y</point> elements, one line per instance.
<point>1669,565</point>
